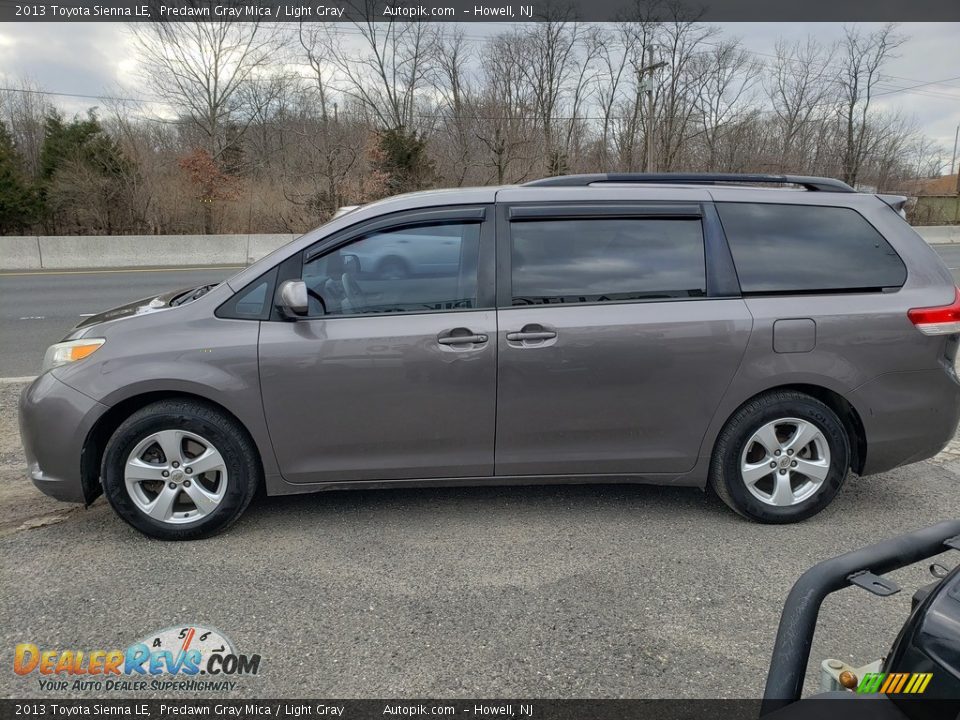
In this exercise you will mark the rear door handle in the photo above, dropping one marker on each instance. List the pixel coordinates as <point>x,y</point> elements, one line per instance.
<point>531,335</point>
<point>466,338</point>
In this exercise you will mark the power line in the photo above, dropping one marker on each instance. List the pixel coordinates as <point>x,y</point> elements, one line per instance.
<point>924,84</point>
<point>80,95</point>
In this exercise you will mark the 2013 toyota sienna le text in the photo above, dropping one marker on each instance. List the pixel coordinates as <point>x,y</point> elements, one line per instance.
<point>760,335</point>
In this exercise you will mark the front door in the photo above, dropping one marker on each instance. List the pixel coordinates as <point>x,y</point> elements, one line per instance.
<point>393,375</point>
<point>614,351</point>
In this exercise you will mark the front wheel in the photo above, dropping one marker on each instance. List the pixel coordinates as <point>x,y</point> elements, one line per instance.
<point>781,458</point>
<point>180,470</point>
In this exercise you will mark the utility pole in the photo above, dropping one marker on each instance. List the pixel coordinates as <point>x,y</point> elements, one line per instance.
<point>650,68</point>
<point>953,160</point>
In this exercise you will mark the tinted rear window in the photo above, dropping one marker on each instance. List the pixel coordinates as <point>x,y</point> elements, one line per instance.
<point>606,260</point>
<point>807,248</point>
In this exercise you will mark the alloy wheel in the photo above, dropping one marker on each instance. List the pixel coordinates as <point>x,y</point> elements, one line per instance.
<point>175,476</point>
<point>785,462</point>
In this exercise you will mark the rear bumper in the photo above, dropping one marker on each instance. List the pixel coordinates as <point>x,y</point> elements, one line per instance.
<point>54,422</point>
<point>907,416</point>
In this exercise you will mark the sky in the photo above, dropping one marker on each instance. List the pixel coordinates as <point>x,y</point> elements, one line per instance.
<point>99,59</point>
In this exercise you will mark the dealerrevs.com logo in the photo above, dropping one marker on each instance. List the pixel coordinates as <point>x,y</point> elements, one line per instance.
<point>191,658</point>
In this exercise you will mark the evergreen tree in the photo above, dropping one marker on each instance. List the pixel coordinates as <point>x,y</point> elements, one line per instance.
<point>80,140</point>
<point>17,199</point>
<point>400,159</point>
<point>83,173</point>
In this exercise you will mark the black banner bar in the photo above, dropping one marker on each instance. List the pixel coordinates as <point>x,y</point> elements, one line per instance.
<point>846,706</point>
<point>465,11</point>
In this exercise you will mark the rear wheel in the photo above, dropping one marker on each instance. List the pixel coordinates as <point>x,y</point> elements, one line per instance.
<point>781,458</point>
<point>180,470</point>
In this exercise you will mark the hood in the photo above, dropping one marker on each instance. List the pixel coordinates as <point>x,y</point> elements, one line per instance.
<point>144,306</point>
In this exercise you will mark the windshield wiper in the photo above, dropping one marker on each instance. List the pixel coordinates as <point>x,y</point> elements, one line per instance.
<point>190,295</point>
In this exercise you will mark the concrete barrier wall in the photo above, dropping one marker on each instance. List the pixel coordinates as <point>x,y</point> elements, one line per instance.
<point>63,253</point>
<point>69,252</point>
<point>262,245</point>
<point>939,234</point>
<point>20,253</point>
<point>119,251</point>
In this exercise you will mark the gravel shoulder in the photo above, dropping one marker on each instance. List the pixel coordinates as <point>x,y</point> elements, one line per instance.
<point>550,592</point>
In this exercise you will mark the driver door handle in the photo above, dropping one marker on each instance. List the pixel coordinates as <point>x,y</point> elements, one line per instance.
<point>466,338</point>
<point>532,335</point>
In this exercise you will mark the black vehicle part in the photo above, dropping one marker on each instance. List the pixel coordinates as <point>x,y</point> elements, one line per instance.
<point>929,642</point>
<point>791,649</point>
<point>879,586</point>
<point>820,184</point>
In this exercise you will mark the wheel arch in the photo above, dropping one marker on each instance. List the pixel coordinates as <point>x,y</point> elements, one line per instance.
<point>94,446</point>
<point>848,414</point>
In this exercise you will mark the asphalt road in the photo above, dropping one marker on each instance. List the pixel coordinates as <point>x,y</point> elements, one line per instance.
<point>541,592</point>
<point>40,308</point>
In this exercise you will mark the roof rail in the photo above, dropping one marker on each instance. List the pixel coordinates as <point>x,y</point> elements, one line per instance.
<point>820,184</point>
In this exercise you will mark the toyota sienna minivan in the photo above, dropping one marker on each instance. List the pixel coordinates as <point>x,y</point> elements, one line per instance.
<point>760,335</point>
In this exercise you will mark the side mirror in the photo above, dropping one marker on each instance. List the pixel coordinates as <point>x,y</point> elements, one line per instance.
<point>292,299</point>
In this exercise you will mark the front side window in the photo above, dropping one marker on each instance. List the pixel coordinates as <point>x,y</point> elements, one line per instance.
<point>427,268</point>
<point>807,248</point>
<point>606,260</point>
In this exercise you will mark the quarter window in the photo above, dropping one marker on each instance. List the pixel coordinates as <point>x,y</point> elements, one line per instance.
<point>427,268</point>
<point>252,302</point>
<point>606,260</point>
<point>807,248</point>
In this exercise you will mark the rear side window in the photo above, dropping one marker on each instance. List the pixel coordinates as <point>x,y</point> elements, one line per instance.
<point>807,248</point>
<point>606,260</point>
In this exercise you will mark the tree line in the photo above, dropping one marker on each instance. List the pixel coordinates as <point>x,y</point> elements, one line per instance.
<point>270,128</point>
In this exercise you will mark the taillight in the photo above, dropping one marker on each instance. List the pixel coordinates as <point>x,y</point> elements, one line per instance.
<point>943,320</point>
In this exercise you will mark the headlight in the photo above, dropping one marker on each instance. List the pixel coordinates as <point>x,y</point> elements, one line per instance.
<point>70,351</point>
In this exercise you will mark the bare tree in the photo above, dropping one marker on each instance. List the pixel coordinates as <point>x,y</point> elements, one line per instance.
<point>267,101</point>
<point>23,109</point>
<point>680,41</point>
<point>554,59</point>
<point>863,58</point>
<point>800,86</point>
<point>452,82</point>
<point>728,73</point>
<point>930,158</point>
<point>638,36</point>
<point>615,50</point>
<point>387,69</point>
<point>313,39</point>
<point>200,68</point>
<point>505,112</point>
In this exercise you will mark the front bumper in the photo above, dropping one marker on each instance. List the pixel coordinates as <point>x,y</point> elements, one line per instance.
<point>55,420</point>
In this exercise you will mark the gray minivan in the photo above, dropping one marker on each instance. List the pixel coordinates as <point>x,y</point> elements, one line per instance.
<point>760,335</point>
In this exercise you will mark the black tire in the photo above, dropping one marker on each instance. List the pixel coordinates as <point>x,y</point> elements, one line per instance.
<point>229,437</point>
<point>725,468</point>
